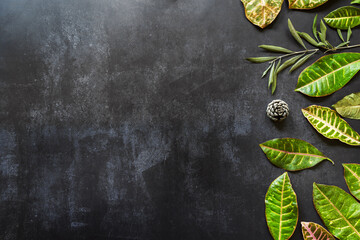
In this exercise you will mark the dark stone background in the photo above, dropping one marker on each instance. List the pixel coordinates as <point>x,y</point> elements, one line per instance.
<point>140,119</point>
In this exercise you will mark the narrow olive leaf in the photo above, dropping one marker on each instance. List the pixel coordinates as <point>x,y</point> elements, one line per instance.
<point>340,35</point>
<point>305,4</point>
<point>352,178</point>
<point>349,32</point>
<point>342,44</point>
<point>292,154</point>
<point>349,106</point>
<point>355,2</point>
<point>260,59</point>
<point>339,211</point>
<point>266,71</point>
<point>314,29</point>
<point>281,208</point>
<point>289,62</point>
<point>314,231</point>
<point>273,87</point>
<point>262,12</point>
<point>328,123</point>
<point>322,34</point>
<point>272,48</point>
<point>309,39</point>
<point>271,77</point>
<point>328,74</point>
<point>295,34</point>
<point>301,62</point>
<point>343,18</point>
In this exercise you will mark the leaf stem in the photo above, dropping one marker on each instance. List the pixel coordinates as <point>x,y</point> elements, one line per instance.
<point>340,48</point>
<point>295,53</point>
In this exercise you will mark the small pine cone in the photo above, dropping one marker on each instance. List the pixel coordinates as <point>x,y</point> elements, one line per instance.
<point>277,110</point>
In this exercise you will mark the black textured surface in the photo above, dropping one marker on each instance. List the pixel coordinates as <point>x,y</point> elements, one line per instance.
<point>140,119</point>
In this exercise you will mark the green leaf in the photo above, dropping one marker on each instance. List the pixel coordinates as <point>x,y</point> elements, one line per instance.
<point>301,62</point>
<point>322,33</point>
<point>292,154</point>
<point>355,2</point>
<point>343,18</point>
<point>313,231</point>
<point>305,4</point>
<point>262,12</point>
<point>328,74</point>
<point>272,48</point>
<point>266,71</point>
<point>340,35</point>
<point>260,59</point>
<point>309,39</point>
<point>328,123</point>
<point>281,208</point>
<point>272,74</point>
<point>295,34</point>
<point>339,211</point>
<point>274,78</point>
<point>342,44</point>
<point>349,32</point>
<point>352,178</point>
<point>289,62</point>
<point>314,29</point>
<point>349,106</point>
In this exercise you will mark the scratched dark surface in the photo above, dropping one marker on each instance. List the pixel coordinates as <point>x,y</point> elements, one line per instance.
<point>140,119</point>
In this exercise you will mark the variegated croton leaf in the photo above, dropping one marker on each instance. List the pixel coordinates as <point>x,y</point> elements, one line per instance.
<point>262,12</point>
<point>305,4</point>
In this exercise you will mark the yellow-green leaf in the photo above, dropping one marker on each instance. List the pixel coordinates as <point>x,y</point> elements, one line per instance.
<point>343,18</point>
<point>352,178</point>
<point>305,4</point>
<point>328,123</point>
<point>292,154</point>
<point>314,231</point>
<point>349,106</point>
<point>262,12</point>
<point>281,208</point>
<point>328,74</point>
<point>339,211</point>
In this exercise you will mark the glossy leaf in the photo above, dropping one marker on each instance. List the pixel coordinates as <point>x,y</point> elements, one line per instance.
<point>262,12</point>
<point>343,18</point>
<point>355,2</point>
<point>313,231</point>
<point>352,178</point>
<point>273,48</point>
<point>292,154</point>
<point>349,106</point>
<point>281,208</point>
<point>305,4</point>
<point>328,123</point>
<point>339,211</point>
<point>328,74</point>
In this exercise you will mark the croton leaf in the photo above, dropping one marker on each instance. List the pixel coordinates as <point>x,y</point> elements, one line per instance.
<point>328,123</point>
<point>343,18</point>
<point>292,154</point>
<point>349,106</point>
<point>313,231</point>
<point>262,12</point>
<point>328,74</point>
<point>352,178</point>
<point>305,4</point>
<point>339,211</point>
<point>281,208</point>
